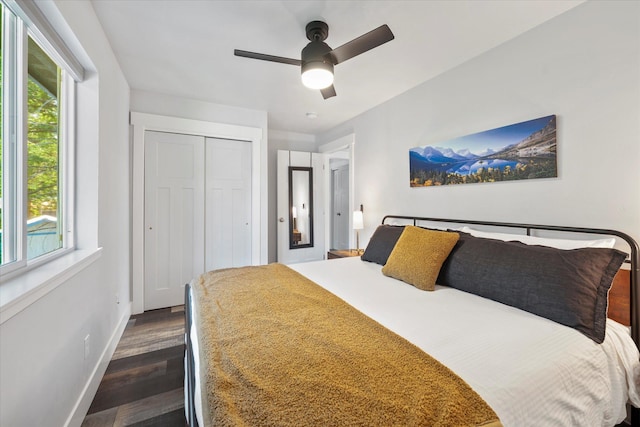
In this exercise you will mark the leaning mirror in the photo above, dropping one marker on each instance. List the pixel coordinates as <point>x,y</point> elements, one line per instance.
<point>300,207</point>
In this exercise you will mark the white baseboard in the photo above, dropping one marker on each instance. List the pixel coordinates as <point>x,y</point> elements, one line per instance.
<point>91,387</point>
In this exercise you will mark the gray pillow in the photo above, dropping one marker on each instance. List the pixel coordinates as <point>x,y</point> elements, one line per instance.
<point>382,243</point>
<point>569,287</point>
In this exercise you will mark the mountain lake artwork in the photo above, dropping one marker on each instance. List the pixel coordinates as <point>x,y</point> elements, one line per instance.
<point>524,150</point>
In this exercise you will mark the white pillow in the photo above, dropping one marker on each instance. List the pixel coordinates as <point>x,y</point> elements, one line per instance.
<point>542,241</point>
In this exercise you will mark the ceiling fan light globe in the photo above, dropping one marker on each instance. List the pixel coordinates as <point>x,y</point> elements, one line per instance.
<point>317,78</point>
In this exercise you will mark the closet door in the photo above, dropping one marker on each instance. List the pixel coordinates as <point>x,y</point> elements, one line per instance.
<point>174,216</point>
<point>228,204</point>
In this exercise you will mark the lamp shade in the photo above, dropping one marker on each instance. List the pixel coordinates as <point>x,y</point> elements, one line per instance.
<point>358,220</point>
<point>317,78</point>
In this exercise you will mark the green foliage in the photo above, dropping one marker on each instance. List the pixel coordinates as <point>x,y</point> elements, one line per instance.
<point>525,169</point>
<point>42,150</point>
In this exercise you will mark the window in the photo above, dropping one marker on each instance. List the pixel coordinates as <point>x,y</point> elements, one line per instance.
<point>44,234</point>
<point>35,188</point>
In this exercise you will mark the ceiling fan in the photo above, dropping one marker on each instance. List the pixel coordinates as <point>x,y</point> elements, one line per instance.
<point>318,59</point>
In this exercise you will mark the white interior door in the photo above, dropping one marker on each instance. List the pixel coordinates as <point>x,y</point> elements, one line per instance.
<point>228,204</point>
<point>340,206</point>
<point>174,216</point>
<point>337,153</point>
<point>286,255</point>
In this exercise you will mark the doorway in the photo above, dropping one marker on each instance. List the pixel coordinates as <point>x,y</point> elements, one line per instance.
<point>340,194</point>
<point>339,203</point>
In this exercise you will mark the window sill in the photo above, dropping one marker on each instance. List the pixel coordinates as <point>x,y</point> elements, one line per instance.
<point>21,291</point>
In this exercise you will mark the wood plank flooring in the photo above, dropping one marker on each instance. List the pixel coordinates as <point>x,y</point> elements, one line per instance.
<point>143,384</point>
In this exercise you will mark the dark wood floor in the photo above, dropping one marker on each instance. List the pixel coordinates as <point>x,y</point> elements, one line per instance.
<point>143,384</point>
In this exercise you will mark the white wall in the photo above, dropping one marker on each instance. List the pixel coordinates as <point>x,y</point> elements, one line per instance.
<point>43,371</point>
<point>167,105</point>
<point>583,66</point>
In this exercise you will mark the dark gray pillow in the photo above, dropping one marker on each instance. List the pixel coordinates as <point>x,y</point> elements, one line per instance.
<point>382,243</point>
<point>569,287</point>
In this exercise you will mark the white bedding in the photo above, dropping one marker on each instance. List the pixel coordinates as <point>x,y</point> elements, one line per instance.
<point>531,371</point>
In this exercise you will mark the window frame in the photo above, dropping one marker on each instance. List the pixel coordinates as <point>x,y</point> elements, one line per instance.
<point>17,30</point>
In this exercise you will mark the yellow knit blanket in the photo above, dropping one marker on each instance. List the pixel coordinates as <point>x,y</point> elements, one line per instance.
<point>278,350</point>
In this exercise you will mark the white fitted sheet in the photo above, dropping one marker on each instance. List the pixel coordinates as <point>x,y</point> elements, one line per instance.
<point>530,370</point>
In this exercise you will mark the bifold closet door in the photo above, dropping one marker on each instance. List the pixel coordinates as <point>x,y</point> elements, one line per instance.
<point>174,216</point>
<point>228,204</point>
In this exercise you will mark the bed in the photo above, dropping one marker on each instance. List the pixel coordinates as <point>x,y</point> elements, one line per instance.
<point>514,359</point>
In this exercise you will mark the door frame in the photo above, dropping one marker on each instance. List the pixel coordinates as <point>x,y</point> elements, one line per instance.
<point>142,122</point>
<point>346,143</point>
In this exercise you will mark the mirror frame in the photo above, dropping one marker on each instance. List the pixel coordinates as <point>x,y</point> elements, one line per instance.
<point>309,170</point>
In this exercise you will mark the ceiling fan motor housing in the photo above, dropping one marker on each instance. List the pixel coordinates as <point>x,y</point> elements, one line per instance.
<point>316,52</point>
<point>317,30</point>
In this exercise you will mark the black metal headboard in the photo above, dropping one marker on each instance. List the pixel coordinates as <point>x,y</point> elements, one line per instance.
<point>633,259</point>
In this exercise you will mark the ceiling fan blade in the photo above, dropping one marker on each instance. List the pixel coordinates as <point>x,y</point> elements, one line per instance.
<point>328,92</point>
<point>365,42</point>
<point>263,57</point>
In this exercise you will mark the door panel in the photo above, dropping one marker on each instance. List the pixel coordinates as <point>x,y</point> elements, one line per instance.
<point>302,159</point>
<point>228,203</point>
<point>174,216</point>
<point>240,214</point>
<point>340,207</point>
<point>215,257</point>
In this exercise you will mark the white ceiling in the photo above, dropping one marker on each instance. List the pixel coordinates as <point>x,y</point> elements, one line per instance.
<point>185,48</point>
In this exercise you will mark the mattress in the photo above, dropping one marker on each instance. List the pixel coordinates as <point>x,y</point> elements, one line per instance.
<point>530,370</point>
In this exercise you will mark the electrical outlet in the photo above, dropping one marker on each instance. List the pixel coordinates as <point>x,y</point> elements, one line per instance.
<point>87,346</point>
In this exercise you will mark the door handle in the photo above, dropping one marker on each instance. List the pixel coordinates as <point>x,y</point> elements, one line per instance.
<point>338,214</point>
<point>281,219</point>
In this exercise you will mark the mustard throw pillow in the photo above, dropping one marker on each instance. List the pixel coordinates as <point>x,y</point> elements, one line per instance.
<point>418,256</point>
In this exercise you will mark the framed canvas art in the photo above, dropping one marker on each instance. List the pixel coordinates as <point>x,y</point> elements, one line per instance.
<point>525,150</point>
